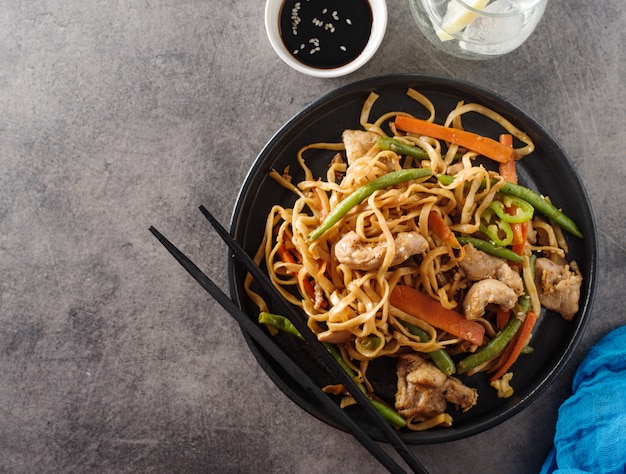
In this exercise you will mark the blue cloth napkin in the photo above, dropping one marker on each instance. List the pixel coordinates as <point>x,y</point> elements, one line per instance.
<point>591,426</point>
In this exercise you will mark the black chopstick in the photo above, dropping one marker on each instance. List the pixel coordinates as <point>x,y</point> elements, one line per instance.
<point>290,312</point>
<point>278,354</point>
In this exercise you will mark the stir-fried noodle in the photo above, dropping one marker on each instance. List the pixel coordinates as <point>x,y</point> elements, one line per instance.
<point>345,278</point>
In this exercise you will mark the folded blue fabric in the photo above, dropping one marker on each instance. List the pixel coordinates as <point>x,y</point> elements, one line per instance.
<point>591,426</point>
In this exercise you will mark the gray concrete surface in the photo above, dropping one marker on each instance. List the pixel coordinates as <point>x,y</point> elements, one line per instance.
<point>118,115</point>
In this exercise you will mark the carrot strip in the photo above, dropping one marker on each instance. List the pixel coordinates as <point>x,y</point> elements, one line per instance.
<point>472,141</point>
<point>427,309</point>
<point>506,139</point>
<point>508,169</point>
<point>442,230</point>
<point>285,255</point>
<point>521,341</point>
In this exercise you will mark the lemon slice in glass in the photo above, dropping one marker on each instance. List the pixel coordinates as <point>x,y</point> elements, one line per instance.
<point>458,17</point>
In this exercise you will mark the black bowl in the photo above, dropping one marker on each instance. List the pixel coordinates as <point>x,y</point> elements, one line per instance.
<point>548,171</point>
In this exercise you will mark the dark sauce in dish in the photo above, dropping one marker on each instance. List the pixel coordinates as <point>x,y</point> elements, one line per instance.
<point>325,34</point>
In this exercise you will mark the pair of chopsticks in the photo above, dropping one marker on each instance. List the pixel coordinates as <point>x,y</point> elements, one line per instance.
<point>264,340</point>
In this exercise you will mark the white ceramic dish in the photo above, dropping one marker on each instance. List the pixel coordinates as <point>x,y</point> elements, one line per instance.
<point>379,26</point>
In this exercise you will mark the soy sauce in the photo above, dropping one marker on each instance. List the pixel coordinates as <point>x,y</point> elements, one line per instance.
<point>325,34</point>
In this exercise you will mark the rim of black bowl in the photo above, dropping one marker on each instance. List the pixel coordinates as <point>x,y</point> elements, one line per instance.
<point>579,207</point>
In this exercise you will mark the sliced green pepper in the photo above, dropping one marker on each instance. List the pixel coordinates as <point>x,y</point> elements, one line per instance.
<point>494,232</point>
<point>523,210</point>
<point>497,230</point>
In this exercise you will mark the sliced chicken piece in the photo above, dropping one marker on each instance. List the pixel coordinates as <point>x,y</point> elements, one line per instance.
<point>359,255</point>
<point>479,265</point>
<point>558,287</point>
<point>334,337</point>
<point>358,143</point>
<point>423,391</point>
<point>486,292</point>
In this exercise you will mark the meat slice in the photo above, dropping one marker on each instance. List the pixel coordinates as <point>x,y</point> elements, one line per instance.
<point>359,255</point>
<point>486,292</point>
<point>358,143</point>
<point>479,265</point>
<point>558,287</point>
<point>423,391</point>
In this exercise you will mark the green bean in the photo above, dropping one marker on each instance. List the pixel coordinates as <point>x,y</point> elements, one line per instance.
<point>386,411</point>
<point>401,148</point>
<point>544,206</point>
<point>492,349</point>
<point>389,414</point>
<point>283,324</point>
<point>279,322</point>
<point>490,248</point>
<point>362,193</point>
<point>438,356</point>
<point>339,359</point>
<point>536,200</point>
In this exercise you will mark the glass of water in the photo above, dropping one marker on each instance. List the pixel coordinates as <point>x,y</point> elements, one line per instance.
<point>477,29</point>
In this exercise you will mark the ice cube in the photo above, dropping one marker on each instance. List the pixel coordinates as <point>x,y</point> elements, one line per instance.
<point>496,34</point>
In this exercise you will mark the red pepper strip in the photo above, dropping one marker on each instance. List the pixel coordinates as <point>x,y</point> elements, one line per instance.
<point>323,203</point>
<point>427,309</point>
<point>287,257</point>
<point>520,342</point>
<point>472,141</point>
<point>519,242</point>
<point>442,230</point>
<point>502,317</point>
